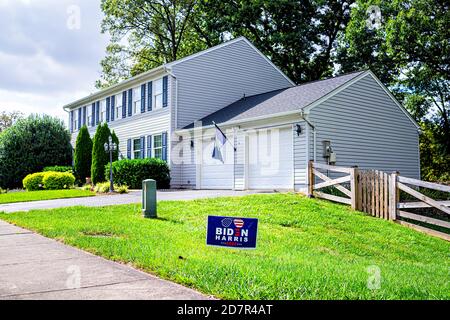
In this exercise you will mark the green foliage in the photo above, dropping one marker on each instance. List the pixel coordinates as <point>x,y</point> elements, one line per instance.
<point>159,32</point>
<point>58,180</point>
<point>33,182</point>
<point>410,52</point>
<point>133,172</point>
<point>83,155</point>
<point>104,188</point>
<point>30,145</point>
<point>58,169</point>
<point>156,32</point>
<point>99,157</point>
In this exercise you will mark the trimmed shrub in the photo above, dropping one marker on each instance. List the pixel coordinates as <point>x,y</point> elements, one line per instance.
<point>58,180</point>
<point>104,188</point>
<point>33,182</point>
<point>100,158</point>
<point>58,169</point>
<point>133,172</point>
<point>83,155</point>
<point>30,145</point>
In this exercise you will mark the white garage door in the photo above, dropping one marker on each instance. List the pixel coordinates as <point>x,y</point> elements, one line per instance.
<point>215,174</point>
<point>270,159</point>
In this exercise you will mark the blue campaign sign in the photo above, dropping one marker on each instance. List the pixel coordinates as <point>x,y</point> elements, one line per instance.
<point>232,232</point>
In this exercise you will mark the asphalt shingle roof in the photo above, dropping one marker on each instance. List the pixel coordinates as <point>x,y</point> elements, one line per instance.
<point>279,101</point>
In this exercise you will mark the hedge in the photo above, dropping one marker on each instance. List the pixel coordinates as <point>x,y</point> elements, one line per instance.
<point>33,182</point>
<point>49,181</point>
<point>58,180</point>
<point>133,172</point>
<point>58,169</point>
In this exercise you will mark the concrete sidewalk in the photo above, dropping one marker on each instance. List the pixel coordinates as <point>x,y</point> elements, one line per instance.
<point>132,197</point>
<point>34,267</point>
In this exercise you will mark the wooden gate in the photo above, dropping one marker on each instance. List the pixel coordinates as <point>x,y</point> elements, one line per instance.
<point>373,193</point>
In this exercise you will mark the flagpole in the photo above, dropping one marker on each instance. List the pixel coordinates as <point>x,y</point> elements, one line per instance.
<point>234,148</point>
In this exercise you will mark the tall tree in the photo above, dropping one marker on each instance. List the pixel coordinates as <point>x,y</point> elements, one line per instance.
<point>145,34</point>
<point>410,50</point>
<point>298,36</point>
<point>7,119</point>
<point>30,145</point>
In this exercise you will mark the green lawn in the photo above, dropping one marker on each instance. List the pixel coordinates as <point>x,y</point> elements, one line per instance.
<point>26,196</point>
<point>307,249</point>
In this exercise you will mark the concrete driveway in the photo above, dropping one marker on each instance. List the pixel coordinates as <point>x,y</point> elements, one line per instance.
<point>34,267</point>
<point>132,197</point>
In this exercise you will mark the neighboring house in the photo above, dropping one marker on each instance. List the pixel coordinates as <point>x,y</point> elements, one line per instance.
<point>274,127</point>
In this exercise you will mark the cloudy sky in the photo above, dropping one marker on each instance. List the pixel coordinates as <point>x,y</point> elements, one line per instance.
<point>49,53</point>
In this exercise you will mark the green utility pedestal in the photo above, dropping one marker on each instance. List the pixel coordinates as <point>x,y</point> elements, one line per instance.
<point>149,198</point>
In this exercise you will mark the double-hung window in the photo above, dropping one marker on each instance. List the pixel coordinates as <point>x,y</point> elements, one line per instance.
<point>137,148</point>
<point>118,107</point>
<point>89,115</point>
<point>136,101</point>
<point>157,94</point>
<point>157,146</point>
<point>103,111</point>
<point>75,120</point>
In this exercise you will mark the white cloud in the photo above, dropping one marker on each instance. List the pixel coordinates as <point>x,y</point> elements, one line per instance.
<point>44,64</point>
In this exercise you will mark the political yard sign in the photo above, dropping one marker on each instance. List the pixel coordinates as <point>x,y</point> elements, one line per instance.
<point>239,233</point>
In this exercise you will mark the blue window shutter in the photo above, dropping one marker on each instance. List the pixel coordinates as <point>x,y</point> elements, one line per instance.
<point>113,107</point>
<point>84,116</point>
<point>130,102</point>
<point>108,106</point>
<point>129,149</point>
<point>142,147</point>
<point>97,112</point>
<point>124,104</point>
<point>149,96</point>
<point>79,118</point>
<point>165,91</point>
<point>71,121</point>
<point>164,146</point>
<point>93,115</point>
<point>143,95</point>
<point>149,146</point>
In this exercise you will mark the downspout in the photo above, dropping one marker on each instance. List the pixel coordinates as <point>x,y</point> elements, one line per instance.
<point>304,116</point>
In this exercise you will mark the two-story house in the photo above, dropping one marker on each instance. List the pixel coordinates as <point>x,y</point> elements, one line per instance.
<point>273,126</point>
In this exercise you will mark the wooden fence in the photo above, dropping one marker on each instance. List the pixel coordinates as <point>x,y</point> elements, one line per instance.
<point>378,194</point>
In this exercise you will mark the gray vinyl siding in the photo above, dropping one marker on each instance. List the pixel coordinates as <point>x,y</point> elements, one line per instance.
<point>218,78</point>
<point>367,129</point>
<point>183,168</point>
<point>300,157</point>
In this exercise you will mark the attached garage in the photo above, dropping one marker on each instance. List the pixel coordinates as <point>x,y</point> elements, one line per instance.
<point>270,159</point>
<point>277,133</point>
<point>216,174</point>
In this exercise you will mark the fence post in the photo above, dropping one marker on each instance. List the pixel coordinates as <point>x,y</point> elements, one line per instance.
<point>354,187</point>
<point>310,179</point>
<point>393,196</point>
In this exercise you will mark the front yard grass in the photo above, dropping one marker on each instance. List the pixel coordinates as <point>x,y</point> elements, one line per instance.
<point>307,248</point>
<point>27,196</point>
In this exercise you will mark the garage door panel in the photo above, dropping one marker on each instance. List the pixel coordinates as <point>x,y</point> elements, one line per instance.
<point>271,159</point>
<point>215,174</point>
